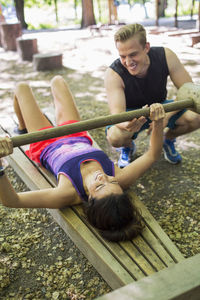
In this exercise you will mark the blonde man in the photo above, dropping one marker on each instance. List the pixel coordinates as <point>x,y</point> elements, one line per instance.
<point>138,78</point>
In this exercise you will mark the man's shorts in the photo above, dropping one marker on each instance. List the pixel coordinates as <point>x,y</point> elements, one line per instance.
<point>171,122</point>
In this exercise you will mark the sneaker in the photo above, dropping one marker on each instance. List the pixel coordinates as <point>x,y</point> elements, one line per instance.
<point>170,153</point>
<point>126,155</point>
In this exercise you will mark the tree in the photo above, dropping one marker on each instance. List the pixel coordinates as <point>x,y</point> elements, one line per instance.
<point>88,17</point>
<point>19,6</point>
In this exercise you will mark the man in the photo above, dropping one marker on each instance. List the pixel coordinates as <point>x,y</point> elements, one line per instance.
<point>139,78</point>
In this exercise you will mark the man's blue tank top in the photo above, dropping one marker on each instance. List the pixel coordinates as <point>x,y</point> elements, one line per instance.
<point>151,88</point>
<point>66,155</point>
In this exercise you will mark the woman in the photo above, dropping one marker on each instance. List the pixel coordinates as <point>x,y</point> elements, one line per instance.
<point>84,174</point>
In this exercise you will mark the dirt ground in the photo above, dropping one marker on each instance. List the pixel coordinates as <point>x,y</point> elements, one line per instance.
<point>37,259</point>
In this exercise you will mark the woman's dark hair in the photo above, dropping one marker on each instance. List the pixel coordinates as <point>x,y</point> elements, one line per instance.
<point>115,216</point>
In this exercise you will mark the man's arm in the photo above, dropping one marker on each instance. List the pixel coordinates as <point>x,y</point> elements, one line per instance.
<point>177,71</point>
<point>117,102</point>
<point>115,92</point>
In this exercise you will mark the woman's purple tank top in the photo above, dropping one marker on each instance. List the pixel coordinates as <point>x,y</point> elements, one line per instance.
<point>66,155</point>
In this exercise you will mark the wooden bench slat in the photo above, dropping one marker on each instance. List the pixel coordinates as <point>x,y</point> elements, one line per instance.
<point>136,255</point>
<point>138,258</point>
<point>117,250</point>
<point>158,232</point>
<point>148,262</point>
<point>157,247</point>
<point>150,255</point>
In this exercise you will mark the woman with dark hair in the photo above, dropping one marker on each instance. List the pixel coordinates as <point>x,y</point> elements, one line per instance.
<point>84,174</point>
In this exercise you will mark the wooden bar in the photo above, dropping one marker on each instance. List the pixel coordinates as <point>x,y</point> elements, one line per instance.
<point>93,123</point>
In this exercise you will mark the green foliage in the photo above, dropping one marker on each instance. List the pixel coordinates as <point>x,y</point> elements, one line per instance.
<point>38,3</point>
<point>6,2</point>
<point>184,7</point>
<point>40,26</point>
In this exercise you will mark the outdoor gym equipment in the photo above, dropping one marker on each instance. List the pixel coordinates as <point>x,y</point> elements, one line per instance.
<point>188,91</point>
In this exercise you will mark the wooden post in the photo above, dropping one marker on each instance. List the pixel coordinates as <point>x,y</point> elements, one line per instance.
<point>9,33</point>
<point>26,47</point>
<point>2,20</point>
<point>113,18</point>
<point>198,21</point>
<point>176,14</point>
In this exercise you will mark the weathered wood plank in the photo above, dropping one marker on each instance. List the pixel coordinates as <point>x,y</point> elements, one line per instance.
<point>157,247</point>
<point>178,282</point>
<point>157,231</point>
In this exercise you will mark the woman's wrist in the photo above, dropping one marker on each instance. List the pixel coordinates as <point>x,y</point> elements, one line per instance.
<point>3,166</point>
<point>2,171</point>
<point>158,123</point>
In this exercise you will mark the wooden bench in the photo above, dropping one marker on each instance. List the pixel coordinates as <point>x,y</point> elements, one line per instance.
<point>47,61</point>
<point>118,263</point>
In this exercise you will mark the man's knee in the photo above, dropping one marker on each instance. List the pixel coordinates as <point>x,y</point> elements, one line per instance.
<point>195,122</point>
<point>116,137</point>
<point>190,120</point>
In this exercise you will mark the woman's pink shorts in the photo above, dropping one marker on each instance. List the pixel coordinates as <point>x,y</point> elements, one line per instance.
<point>35,149</point>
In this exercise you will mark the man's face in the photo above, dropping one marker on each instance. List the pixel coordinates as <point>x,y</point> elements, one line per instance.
<point>133,56</point>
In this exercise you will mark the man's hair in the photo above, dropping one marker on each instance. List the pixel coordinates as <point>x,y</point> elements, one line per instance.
<point>115,216</point>
<point>128,31</point>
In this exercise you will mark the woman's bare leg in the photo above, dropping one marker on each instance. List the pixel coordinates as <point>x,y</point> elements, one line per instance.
<point>18,113</point>
<point>65,106</point>
<point>27,110</point>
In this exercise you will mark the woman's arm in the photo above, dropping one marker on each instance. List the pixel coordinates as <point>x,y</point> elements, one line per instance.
<point>136,169</point>
<point>57,197</point>
<point>61,196</point>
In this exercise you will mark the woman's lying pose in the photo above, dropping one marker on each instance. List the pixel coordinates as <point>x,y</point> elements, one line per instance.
<point>84,174</point>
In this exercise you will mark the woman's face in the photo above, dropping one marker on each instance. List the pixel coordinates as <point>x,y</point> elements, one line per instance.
<point>102,185</point>
<point>133,56</point>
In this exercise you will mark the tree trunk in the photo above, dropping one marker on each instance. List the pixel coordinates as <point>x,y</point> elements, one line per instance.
<point>19,6</point>
<point>75,8</point>
<point>176,14</point>
<point>157,12</point>
<point>112,8</point>
<point>99,9</point>
<point>87,13</point>
<point>56,10</point>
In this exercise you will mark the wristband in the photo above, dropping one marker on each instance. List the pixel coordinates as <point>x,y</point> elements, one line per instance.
<point>2,171</point>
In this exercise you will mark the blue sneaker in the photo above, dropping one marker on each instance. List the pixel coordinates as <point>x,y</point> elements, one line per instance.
<point>170,153</point>
<point>126,155</point>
